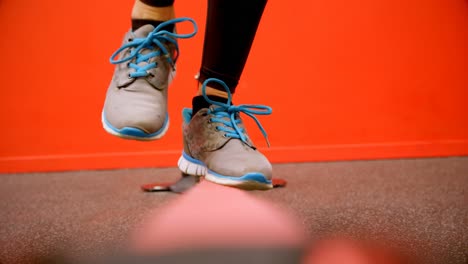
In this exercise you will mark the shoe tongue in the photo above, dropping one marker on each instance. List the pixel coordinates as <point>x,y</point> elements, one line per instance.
<point>143,31</point>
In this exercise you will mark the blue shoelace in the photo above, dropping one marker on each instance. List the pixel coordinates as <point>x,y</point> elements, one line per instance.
<point>155,39</point>
<point>223,110</point>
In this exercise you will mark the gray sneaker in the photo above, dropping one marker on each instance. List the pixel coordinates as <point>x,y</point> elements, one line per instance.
<point>216,145</point>
<point>136,101</point>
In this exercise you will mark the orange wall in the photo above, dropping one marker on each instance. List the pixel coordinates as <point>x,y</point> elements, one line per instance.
<point>346,79</point>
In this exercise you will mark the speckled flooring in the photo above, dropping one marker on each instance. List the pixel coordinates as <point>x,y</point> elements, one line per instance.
<point>421,202</point>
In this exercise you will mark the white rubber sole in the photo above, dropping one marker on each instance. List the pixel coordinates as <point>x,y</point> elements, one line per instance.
<point>194,169</point>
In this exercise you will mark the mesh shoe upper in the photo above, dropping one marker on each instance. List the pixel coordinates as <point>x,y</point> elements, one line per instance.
<point>218,138</point>
<point>137,95</point>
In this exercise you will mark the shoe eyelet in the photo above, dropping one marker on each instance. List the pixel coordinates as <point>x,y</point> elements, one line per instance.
<point>224,135</point>
<point>129,76</point>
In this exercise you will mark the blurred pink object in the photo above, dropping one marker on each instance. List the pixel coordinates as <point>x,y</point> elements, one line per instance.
<point>213,216</point>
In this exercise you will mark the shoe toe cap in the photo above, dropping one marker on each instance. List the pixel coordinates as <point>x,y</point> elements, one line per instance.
<point>146,121</point>
<point>138,111</point>
<point>241,164</point>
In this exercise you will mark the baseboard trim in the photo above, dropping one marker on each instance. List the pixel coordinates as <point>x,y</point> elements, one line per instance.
<point>168,158</point>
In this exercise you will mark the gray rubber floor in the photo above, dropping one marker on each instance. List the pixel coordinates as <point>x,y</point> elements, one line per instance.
<point>421,202</point>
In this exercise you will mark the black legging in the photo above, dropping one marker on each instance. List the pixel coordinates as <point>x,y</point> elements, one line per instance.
<point>158,3</point>
<point>230,30</point>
